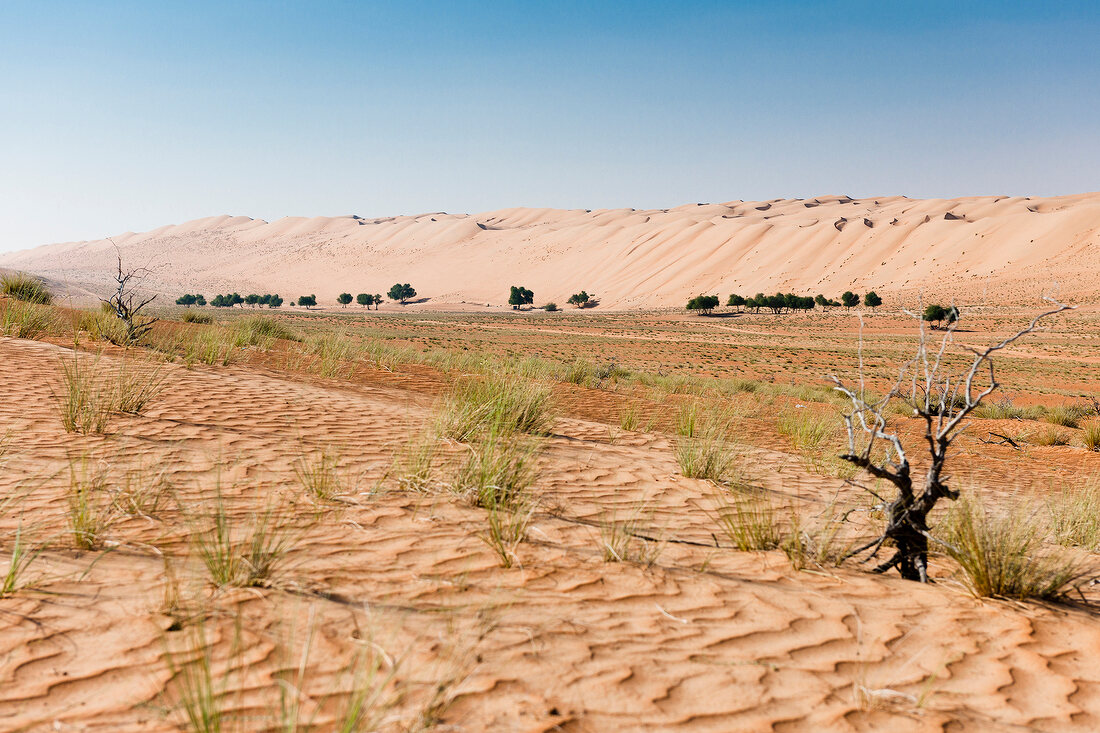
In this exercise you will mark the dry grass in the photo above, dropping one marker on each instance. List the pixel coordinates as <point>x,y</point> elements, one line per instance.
<point>820,544</point>
<point>135,386</point>
<point>630,540</point>
<point>497,405</point>
<point>1075,516</point>
<point>749,523</point>
<point>702,450</point>
<point>85,401</point>
<point>28,320</point>
<point>243,552</point>
<point>319,476</point>
<point>414,467</point>
<point>806,430</point>
<point>498,471</point>
<point>20,558</point>
<point>1049,436</point>
<point>26,288</point>
<point>90,509</point>
<point>1001,554</point>
<point>261,331</point>
<point>1090,436</point>
<point>1068,416</point>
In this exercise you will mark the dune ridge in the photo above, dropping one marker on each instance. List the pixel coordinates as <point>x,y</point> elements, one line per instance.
<point>990,249</point>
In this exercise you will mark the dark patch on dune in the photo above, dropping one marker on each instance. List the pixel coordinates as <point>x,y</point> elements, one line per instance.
<point>952,217</point>
<point>765,207</point>
<point>839,224</point>
<point>868,223</point>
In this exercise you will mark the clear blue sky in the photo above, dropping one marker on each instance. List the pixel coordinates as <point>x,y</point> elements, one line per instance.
<point>129,115</point>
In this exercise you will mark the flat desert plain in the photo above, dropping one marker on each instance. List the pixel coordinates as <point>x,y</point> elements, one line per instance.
<point>579,521</point>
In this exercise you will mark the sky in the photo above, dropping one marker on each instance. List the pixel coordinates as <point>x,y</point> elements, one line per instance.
<point>125,116</point>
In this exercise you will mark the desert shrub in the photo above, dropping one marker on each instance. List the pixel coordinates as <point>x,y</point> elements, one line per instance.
<point>1005,410</point>
<point>104,325</point>
<point>24,287</point>
<point>550,307</point>
<point>27,320</point>
<point>819,544</point>
<point>318,474</point>
<point>335,354</point>
<point>198,317</point>
<point>1075,516</point>
<point>1001,554</point>
<point>497,405</point>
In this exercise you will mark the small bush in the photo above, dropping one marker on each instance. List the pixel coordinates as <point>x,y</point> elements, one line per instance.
<point>135,388</point>
<point>243,554</point>
<point>1002,555</point>
<point>414,467</point>
<point>805,429</point>
<point>24,287</point>
<point>104,325</point>
<point>550,307</point>
<point>19,559</point>
<point>497,405</point>
<point>198,317</point>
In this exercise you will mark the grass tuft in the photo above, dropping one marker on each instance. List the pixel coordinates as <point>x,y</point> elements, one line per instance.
<point>497,405</point>
<point>1001,554</point>
<point>749,524</point>
<point>85,402</point>
<point>498,472</point>
<point>24,287</point>
<point>702,449</point>
<point>23,320</point>
<point>1075,516</point>
<point>628,541</point>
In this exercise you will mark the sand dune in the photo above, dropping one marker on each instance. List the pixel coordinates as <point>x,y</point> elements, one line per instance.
<point>993,249</point>
<point>701,641</point>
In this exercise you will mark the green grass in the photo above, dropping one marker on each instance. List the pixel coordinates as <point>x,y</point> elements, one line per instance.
<point>136,386</point>
<point>318,475</point>
<point>19,559</point>
<point>806,430</point>
<point>90,512</point>
<point>261,331</point>
<point>498,471</point>
<point>27,320</point>
<point>703,451</point>
<point>497,405</point>
<point>24,287</point>
<point>243,553</point>
<point>749,524</point>
<point>1000,554</point>
<point>84,401</point>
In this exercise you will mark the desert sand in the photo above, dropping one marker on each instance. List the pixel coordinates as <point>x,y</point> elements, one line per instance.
<point>700,637</point>
<point>988,249</point>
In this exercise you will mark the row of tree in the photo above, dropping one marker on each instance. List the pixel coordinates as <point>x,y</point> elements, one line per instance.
<point>521,296</point>
<point>782,302</point>
<point>231,299</point>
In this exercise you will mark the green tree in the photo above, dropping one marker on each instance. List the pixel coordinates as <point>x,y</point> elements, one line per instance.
<point>705,304</point>
<point>736,300</point>
<point>308,301</point>
<point>579,300</point>
<point>402,292</point>
<point>871,300</point>
<point>936,314</point>
<point>377,300</point>
<point>187,300</point>
<point>849,299</point>
<point>200,300</point>
<point>364,300</point>
<point>520,296</point>
<point>252,299</point>
<point>343,299</point>
<point>275,301</point>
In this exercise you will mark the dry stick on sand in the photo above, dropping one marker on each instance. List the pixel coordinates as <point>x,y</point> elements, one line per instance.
<point>942,399</point>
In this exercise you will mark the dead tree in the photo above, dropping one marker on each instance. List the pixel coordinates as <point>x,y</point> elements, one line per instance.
<point>940,396</point>
<point>125,303</point>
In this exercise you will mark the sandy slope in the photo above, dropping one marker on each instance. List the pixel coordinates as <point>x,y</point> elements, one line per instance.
<point>705,640</point>
<point>986,249</point>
